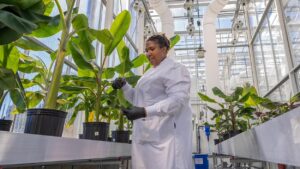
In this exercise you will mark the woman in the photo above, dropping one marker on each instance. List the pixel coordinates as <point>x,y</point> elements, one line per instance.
<point>162,118</point>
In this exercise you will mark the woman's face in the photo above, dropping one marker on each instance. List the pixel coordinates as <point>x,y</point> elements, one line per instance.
<point>155,53</point>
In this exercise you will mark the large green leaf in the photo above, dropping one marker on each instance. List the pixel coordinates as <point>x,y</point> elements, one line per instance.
<point>47,29</point>
<point>206,98</point>
<point>125,64</point>
<point>74,114</point>
<point>174,40</point>
<point>80,25</point>
<point>30,65</point>
<point>16,23</point>
<point>123,102</point>
<point>18,99</point>
<point>19,17</point>
<point>9,57</point>
<point>219,93</point>
<point>33,98</point>
<point>133,79</point>
<point>118,30</point>
<point>78,57</point>
<point>79,81</point>
<point>13,60</point>
<point>140,60</point>
<point>108,73</point>
<point>24,4</point>
<point>237,93</point>
<point>7,79</point>
<point>49,5</point>
<point>8,35</point>
<point>244,98</point>
<point>27,83</point>
<point>123,67</point>
<point>72,89</point>
<point>29,45</point>
<point>103,36</point>
<point>295,98</point>
<point>85,73</point>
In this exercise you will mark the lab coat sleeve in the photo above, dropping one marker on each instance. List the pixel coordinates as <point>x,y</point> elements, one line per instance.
<point>177,84</point>
<point>128,92</point>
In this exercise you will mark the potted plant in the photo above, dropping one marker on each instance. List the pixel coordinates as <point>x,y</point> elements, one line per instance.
<point>232,115</point>
<point>95,96</point>
<point>10,82</point>
<point>17,18</point>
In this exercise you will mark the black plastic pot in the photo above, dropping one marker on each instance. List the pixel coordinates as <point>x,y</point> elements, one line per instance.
<point>217,141</point>
<point>120,136</point>
<point>230,134</point>
<point>45,122</point>
<point>96,130</point>
<point>5,125</point>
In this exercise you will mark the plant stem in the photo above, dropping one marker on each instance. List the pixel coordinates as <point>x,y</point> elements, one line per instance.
<point>98,94</point>
<point>6,52</point>
<point>99,89</point>
<point>233,121</point>
<point>61,13</point>
<point>2,97</point>
<point>54,84</point>
<point>121,122</point>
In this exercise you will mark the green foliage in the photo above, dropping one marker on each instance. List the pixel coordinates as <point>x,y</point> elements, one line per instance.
<point>18,17</point>
<point>233,114</point>
<point>174,40</point>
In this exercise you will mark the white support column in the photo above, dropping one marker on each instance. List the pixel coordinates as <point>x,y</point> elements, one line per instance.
<point>140,36</point>
<point>167,21</point>
<point>109,13</point>
<point>210,45</point>
<point>140,32</point>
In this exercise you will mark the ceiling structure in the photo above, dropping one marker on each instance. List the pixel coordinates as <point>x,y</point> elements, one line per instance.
<point>234,64</point>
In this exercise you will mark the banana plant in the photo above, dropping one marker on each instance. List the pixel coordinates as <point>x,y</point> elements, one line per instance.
<point>10,82</point>
<point>20,17</point>
<point>232,114</point>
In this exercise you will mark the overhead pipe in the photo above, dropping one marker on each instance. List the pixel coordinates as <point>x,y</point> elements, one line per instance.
<point>210,45</point>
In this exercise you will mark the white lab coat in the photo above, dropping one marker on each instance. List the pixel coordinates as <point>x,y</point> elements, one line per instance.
<point>162,140</point>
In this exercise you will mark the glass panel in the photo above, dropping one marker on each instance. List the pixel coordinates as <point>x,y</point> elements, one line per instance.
<point>282,94</point>
<point>297,75</point>
<point>256,10</point>
<point>292,19</point>
<point>269,53</point>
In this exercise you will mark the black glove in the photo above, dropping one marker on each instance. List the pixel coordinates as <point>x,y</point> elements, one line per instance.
<point>134,113</point>
<point>118,83</point>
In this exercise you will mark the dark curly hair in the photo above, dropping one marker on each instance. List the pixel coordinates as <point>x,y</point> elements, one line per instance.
<point>160,39</point>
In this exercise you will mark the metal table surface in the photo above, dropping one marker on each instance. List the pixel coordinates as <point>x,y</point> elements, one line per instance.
<point>277,141</point>
<point>28,149</point>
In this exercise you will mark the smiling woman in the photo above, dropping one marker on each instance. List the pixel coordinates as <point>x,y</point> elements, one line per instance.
<point>162,118</point>
<point>157,47</point>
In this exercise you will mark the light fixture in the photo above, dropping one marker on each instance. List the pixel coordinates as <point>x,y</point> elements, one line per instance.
<point>188,4</point>
<point>138,6</point>
<point>200,51</point>
<point>147,30</point>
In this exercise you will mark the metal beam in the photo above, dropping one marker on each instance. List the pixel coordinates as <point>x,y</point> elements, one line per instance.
<point>18,149</point>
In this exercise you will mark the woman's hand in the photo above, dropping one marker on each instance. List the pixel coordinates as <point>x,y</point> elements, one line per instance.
<point>134,113</point>
<point>118,83</point>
